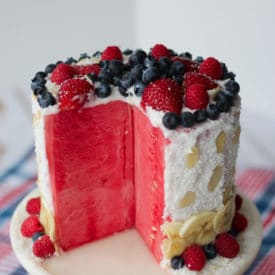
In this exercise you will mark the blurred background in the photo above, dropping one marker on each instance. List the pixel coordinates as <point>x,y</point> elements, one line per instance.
<point>240,33</point>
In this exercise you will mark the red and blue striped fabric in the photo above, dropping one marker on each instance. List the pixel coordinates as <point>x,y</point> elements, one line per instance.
<point>257,184</point>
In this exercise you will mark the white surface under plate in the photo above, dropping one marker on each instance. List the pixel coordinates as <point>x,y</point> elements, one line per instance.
<point>125,253</point>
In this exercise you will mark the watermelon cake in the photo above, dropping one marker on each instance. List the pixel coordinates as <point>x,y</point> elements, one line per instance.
<point>136,139</point>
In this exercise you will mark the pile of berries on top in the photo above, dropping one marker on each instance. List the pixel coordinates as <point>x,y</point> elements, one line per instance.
<point>225,245</point>
<point>32,228</point>
<point>165,81</point>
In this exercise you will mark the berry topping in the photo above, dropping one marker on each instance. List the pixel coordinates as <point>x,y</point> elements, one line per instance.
<point>43,247</point>
<point>106,76</point>
<point>196,97</point>
<point>37,235</point>
<point>127,52</point>
<point>187,119</point>
<point>164,64</point>
<point>211,67</point>
<point>200,115</point>
<point>116,67</point>
<point>30,226</point>
<point>137,57</point>
<point>62,72</point>
<point>238,202</point>
<point>189,65</point>
<point>239,222</point>
<point>163,95</point>
<point>223,102</point>
<point>210,251</point>
<point>232,86</point>
<point>186,55</point>
<point>50,68</point>
<point>198,78</point>
<point>227,246</point>
<point>150,74</point>
<point>159,50</point>
<point>103,90</point>
<point>171,120</point>
<point>87,69</point>
<point>177,262</point>
<point>138,88</point>
<point>33,206</point>
<point>194,257</point>
<point>45,99</point>
<point>111,52</point>
<point>212,112</point>
<point>70,60</point>
<point>177,68</point>
<point>233,232</point>
<point>73,94</point>
<point>136,72</point>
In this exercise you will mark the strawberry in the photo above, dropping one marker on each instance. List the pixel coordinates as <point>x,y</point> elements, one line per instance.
<point>196,97</point>
<point>238,202</point>
<point>73,94</point>
<point>87,69</point>
<point>226,245</point>
<point>33,206</point>
<point>189,65</point>
<point>193,77</point>
<point>211,67</point>
<point>163,95</point>
<point>111,52</point>
<point>194,257</point>
<point>62,72</point>
<point>43,247</point>
<point>30,226</point>
<point>239,222</point>
<point>159,50</point>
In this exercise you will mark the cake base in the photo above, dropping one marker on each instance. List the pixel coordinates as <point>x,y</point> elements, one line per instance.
<point>125,253</point>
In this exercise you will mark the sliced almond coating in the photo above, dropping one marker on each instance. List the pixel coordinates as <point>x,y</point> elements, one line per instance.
<point>192,158</point>
<point>237,135</point>
<point>188,199</point>
<point>227,193</point>
<point>220,142</point>
<point>215,178</point>
<point>223,219</point>
<point>196,223</point>
<point>171,229</point>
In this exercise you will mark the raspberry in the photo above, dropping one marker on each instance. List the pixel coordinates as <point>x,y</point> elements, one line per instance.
<point>73,94</point>
<point>30,226</point>
<point>194,257</point>
<point>197,78</point>
<point>43,247</point>
<point>239,222</point>
<point>87,69</point>
<point>227,246</point>
<point>189,65</point>
<point>211,67</point>
<point>111,52</point>
<point>33,206</point>
<point>238,202</point>
<point>163,95</point>
<point>196,97</point>
<point>62,72</point>
<point>159,50</point>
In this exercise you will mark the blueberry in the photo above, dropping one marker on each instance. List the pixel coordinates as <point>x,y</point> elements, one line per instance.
<point>210,251</point>
<point>164,64</point>
<point>103,90</point>
<point>45,99</point>
<point>40,75</point>
<point>199,59</point>
<point>127,52</point>
<point>172,52</point>
<point>106,77</point>
<point>104,64</point>
<point>70,60</point>
<point>223,102</point>
<point>136,72</point>
<point>36,236</point>
<point>116,81</point>
<point>233,232</point>
<point>123,91</point>
<point>177,262</point>
<point>137,57</point>
<point>96,54</point>
<point>50,68</point>
<point>212,112</point>
<point>171,120</point>
<point>37,83</point>
<point>58,62</point>
<point>186,55</point>
<point>200,115</point>
<point>139,87</point>
<point>92,76</point>
<point>150,62</point>
<point>39,90</point>
<point>187,119</point>
<point>83,56</point>
<point>232,86</point>
<point>126,80</point>
<point>177,68</point>
<point>150,74</point>
<point>178,79</point>
<point>116,67</point>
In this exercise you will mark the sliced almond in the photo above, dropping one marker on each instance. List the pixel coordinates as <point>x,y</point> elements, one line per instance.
<point>237,135</point>
<point>220,142</point>
<point>215,178</point>
<point>192,158</point>
<point>188,199</point>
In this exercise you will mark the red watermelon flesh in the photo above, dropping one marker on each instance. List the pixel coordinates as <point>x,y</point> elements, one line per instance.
<point>105,163</point>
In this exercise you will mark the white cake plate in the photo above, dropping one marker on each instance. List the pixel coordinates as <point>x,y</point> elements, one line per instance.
<point>126,254</point>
